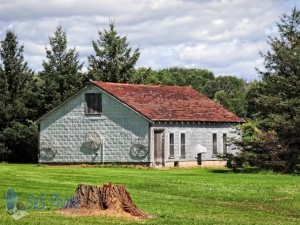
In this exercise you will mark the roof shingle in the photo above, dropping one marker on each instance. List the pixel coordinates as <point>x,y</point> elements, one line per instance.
<point>169,103</point>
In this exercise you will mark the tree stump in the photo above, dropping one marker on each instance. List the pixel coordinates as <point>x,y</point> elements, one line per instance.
<point>108,196</point>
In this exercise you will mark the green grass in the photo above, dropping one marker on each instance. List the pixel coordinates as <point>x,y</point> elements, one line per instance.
<point>175,196</point>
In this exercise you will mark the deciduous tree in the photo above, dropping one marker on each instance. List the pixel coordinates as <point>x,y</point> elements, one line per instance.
<point>229,91</point>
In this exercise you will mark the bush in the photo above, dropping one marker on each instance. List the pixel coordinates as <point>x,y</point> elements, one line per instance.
<point>18,143</point>
<point>265,150</point>
<point>4,153</point>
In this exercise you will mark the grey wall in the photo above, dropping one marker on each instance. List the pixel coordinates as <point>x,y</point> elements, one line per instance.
<point>123,132</point>
<point>196,134</point>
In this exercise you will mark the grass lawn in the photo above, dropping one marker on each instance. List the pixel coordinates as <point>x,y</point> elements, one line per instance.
<point>175,196</point>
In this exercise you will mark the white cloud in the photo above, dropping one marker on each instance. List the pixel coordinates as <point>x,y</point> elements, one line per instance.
<point>221,53</point>
<point>223,36</point>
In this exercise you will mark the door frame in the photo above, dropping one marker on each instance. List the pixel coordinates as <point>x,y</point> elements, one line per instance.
<point>159,130</point>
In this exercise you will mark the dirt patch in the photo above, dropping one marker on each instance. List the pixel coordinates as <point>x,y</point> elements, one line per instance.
<point>98,212</point>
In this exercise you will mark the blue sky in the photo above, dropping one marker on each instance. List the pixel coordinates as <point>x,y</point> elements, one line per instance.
<point>223,36</point>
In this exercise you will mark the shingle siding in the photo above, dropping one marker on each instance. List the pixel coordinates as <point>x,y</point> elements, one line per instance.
<point>196,134</point>
<point>65,128</point>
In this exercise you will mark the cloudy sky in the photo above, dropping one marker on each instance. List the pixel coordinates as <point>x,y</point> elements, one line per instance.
<point>223,36</point>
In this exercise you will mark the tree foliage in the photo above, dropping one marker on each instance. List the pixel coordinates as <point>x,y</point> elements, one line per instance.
<point>275,103</point>
<point>16,83</point>
<point>61,75</point>
<point>113,60</point>
<point>284,57</point>
<point>263,149</point>
<point>230,92</point>
<point>20,142</point>
<point>197,78</point>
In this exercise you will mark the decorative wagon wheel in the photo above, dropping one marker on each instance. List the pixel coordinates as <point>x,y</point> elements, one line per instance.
<point>48,146</point>
<point>93,140</point>
<point>139,149</point>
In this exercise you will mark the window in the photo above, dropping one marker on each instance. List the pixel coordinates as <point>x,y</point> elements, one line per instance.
<point>215,147</point>
<point>182,145</point>
<point>93,103</point>
<point>225,143</point>
<point>171,145</point>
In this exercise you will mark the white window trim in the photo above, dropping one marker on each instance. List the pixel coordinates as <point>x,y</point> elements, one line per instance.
<point>171,156</point>
<point>182,156</point>
<point>212,138</point>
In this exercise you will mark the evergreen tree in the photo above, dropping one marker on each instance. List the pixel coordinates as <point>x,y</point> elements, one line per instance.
<point>275,101</point>
<point>20,142</point>
<point>61,72</point>
<point>15,81</point>
<point>113,60</point>
<point>17,134</point>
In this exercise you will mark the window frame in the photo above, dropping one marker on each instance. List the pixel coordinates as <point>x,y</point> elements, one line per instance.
<point>93,105</point>
<point>171,145</point>
<point>225,148</point>
<point>214,144</point>
<point>182,145</point>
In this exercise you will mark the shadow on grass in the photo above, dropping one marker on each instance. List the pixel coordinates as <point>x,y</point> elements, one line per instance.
<point>224,171</point>
<point>251,170</point>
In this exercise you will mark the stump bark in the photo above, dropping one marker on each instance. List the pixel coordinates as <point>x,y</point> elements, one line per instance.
<point>108,196</point>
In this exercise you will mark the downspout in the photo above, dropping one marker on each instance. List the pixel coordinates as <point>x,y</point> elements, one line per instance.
<point>151,151</point>
<point>39,141</point>
<point>102,152</point>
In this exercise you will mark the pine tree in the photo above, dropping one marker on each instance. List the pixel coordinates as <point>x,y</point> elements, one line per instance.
<point>114,60</point>
<point>17,134</point>
<point>61,72</point>
<point>275,102</point>
<point>15,81</point>
<point>284,58</point>
<point>279,103</point>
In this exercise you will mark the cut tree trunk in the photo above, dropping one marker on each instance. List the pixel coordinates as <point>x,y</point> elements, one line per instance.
<point>108,196</point>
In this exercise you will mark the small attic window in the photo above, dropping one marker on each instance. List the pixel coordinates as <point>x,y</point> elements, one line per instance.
<point>93,103</point>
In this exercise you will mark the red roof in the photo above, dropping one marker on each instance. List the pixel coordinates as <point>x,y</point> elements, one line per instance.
<point>169,103</point>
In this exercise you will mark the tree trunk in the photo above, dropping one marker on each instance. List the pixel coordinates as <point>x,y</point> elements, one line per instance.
<point>108,196</point>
